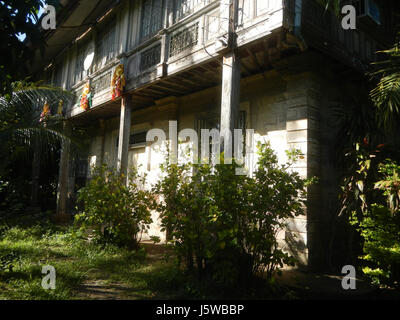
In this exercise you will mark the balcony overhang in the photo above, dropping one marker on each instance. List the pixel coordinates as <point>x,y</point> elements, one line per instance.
<point>256,57</point>
<point>74,19</point>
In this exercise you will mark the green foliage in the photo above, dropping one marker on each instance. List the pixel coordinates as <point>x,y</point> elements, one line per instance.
<point>8,260</point>
<point>20,125</point>
<point>227,223</point>
<point>379,227</point>
<point>370,199</point>
<point>21,135</point>
<point>12,197</point>
<point>358,184</point>
<point>386,95</point>
<point>27,247</point>
<point>117,212</point>
<point>81,265</point>
<point>16,57</point>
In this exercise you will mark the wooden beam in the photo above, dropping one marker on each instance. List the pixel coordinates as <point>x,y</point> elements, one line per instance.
<point>167,88</point>
<point>172,83</point>
<point>246,68</point>
<point>254,60</point>
<point>137,96</point>
<point>208,73</point>
<point>267,60</point>
<point>230,101</point>
<point>192,83</point>
<point>159,93</point>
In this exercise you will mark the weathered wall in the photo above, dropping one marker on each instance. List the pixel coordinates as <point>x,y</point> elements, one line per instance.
<point>291,108</point>
<point>265,100</point>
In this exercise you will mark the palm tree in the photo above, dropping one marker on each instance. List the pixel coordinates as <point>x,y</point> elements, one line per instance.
<point>31,124</point>
<point>386,95</point>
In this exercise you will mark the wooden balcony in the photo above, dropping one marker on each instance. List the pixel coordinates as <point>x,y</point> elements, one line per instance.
<point>185,57</point>
<point>322,30</point>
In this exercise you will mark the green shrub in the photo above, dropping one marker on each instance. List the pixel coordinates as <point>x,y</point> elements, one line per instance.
<point>226,224</point>
<point>8,260</point>
<point>116,211</point>
<point>13,196</point>
<point>379,227</point>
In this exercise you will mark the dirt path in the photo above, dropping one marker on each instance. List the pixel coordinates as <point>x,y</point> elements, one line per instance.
<point>104,290</point>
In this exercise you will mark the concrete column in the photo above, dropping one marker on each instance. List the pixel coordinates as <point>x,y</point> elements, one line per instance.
<point>63,178</point>
<point>124,133</point>
<point>230,100</point>
<point>304,233</point>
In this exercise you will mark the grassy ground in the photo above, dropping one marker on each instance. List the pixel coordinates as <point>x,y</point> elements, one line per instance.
<point>86,270</point>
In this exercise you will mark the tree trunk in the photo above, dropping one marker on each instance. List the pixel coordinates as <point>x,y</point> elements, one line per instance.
<point>34,203</point>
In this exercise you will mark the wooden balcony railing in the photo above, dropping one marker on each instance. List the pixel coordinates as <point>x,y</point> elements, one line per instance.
<point>322,30</point>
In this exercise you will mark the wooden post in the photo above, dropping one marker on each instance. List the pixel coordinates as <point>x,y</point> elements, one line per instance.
<point>230,96</point>
<point>63,177</point>
<point>124,133</point>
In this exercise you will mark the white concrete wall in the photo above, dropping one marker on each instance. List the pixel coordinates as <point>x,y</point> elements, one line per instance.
<point>271,110</point>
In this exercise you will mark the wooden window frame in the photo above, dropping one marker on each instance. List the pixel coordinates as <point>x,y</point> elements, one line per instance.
<point>151,24</point>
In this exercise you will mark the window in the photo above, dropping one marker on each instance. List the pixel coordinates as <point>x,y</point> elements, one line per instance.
<point>182,8</point>
<point>245,11</point>
<point>81,167</point>
<point>105,44</point>
<point>367,9</point>
<point>80,72</point>
<point>213,122</point>
<point>152,18</point>
<point>262,6</point>
<point>138,139</point>
<point>58,75</point>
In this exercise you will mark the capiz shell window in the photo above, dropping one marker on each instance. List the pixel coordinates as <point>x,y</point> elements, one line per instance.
<point>105,43</point>
<point>152,17</point>
<point>182,8</point>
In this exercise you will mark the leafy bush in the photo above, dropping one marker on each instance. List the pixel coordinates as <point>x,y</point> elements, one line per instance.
<point>8,260</point>
<point>379,226</point>
<point>117,212</point>
<point>227,223</point>
<point>13,196</point>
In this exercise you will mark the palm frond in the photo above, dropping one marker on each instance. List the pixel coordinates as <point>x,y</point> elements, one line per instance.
<point>20,119</point>
<point>386,95</point>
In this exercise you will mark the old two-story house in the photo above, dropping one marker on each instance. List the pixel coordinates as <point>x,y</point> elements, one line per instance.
<point>275,66</point>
